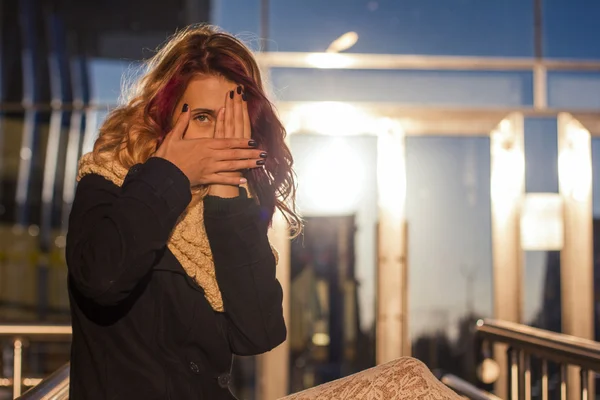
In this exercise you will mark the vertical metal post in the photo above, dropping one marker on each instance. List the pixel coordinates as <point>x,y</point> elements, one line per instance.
<point>391,324</point>
<point>265,12</point>
<point>563,382</point>
<point>514,374</point>
<point>273,367</point>
<point>3,57</point>
<point>31,95</point>
<point>507,190</point>
<point>75,138</point>
<point>540,87</point>
<point>526,375</point>
<point>538,32</point>
<point>544,379</point>
<point>17,367</point>
<point>540,78</point>
<point>585,380</point>
<point>576,257</point>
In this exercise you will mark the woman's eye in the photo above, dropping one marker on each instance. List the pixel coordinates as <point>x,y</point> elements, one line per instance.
<point>201,118</point>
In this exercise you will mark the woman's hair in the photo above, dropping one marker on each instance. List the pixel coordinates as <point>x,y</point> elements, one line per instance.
<point>133,131</point>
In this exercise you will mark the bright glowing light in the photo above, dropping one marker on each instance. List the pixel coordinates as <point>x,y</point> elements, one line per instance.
<point>508,170</point>
<point>505,126</point>
<point>335,177</point>
<point>330,118</point>
<point>344,42</point>
<point>505,184</point>
<point>320,339</point>
<point>507,179</point>
<point>542,222</point>
<point>488,371</point>
<point>329,60</point>
<point>333,182</point>
<point>575,164</point>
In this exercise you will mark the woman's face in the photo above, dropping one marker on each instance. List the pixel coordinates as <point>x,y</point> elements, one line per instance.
<point>205,95</point>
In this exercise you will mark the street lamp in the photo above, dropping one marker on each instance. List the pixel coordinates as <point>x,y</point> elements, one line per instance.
<point>332,57</point>
<point>343,43</point>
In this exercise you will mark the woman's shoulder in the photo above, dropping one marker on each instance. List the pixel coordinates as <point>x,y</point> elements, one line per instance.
<point>93,180</point>
<point>95,187</point>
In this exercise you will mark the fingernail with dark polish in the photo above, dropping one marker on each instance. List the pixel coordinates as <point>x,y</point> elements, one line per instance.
<point>239,90</point>
<point>252,143</point>
<point>184,108</point>
<point>260,162</point>
<point>231,94</point>
<point>263,155</point>
<point>244,97</point>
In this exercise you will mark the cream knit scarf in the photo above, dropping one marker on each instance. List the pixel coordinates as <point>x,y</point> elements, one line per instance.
<point>188,241</point>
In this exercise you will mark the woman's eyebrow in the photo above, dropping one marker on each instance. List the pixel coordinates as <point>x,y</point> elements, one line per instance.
<point>205,111</point>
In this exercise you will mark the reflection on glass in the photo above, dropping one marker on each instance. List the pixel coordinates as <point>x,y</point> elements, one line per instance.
<point>449,248</point>
<point>326,340</point>
<point>541,268</point>
<point>542,302</point>
<point>32,276</point>
<point>332,316</point>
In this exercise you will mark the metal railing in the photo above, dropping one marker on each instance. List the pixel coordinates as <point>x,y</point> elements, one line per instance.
<point>466,389</point>
<point>54,387</point>
<point>20,335</point>
<point>525,343</point>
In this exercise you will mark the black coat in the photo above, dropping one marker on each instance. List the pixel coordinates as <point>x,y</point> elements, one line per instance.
<point>142,328</point>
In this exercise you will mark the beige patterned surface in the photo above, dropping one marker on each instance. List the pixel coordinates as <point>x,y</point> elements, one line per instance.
<point>405,378</point>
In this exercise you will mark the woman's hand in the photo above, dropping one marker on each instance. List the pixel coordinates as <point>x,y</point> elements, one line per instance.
<point>204,161</point>
<point>233,121</point>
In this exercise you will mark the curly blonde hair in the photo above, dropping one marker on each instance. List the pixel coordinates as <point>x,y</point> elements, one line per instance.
<point>133,131</point>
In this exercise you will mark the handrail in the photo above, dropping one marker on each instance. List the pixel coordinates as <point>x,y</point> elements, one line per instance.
<point>31,330</point>
<point>523,342</point>
<point>19,333</point>
<point>464,388</point>
<point>561,348</point>
<point>54,387</point>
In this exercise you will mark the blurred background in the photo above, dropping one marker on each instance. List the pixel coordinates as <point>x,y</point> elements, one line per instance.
<point>445,152</point>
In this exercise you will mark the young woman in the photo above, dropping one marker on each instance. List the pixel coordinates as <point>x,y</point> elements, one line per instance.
<point>170,268</point>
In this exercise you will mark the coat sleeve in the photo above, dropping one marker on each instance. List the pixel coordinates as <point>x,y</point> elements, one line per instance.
<point>117,234</point>
<point>245,268</point>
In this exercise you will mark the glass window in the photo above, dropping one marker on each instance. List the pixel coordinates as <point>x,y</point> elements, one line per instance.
<point>568,27</point>
<point>572,90</point>
<point>333,265</point>
<point>541,269</point>
<point>450,27</point>
<point>475,89</point>
<point>241,18</point>
<point>541,150</point>
<point>449,248</point>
